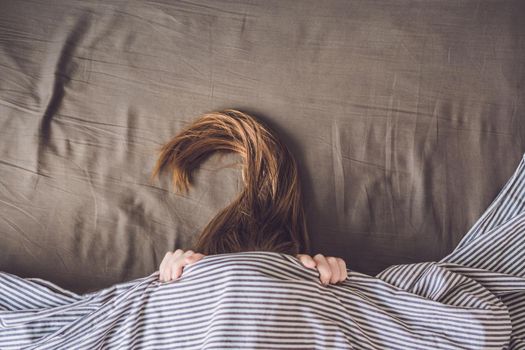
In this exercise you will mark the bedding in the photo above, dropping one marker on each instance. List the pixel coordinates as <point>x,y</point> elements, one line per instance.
<point>406,118</point>
<point>472,299</point>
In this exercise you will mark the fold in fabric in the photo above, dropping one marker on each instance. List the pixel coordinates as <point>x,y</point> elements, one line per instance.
<point>472,299</point>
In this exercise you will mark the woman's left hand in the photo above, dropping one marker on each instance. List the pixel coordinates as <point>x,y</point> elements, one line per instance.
<point>173,263</point>
<point>331,269</point>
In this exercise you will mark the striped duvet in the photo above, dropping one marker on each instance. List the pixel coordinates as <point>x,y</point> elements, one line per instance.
<point>472,299</point>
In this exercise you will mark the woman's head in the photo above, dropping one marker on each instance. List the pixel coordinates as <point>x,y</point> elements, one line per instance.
<point>268,214</point>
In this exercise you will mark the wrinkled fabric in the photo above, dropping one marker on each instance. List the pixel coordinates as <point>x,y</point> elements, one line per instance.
<point>256,300</point>
<point>472,299</point>
<point>406,118</point>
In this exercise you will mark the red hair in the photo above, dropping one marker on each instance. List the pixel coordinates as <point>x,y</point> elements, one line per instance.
<point>268,214</point>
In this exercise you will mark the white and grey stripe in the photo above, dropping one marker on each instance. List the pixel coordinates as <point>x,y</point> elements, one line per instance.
<point>472,299</point>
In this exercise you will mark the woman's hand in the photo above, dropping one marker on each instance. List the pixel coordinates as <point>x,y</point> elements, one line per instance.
<point>331,269</point>
<point>173,263</point>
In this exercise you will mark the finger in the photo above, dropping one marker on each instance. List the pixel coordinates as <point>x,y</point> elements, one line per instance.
<point>177,266</point>
<point>178,252</point>
<point>172,264</point>
<point>183,260</point>
<point>166,273</point>
<point>324,269</point>
<point>194,258</point>
<point>334,267</point>
<point>342,268</point>
<point>306,260</point>
<point>162,266</point>
<point>176,269</point>
<point>165,265</point>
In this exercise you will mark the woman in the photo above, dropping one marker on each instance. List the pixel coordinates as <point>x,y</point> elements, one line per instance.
<point>267,215</point>
<point>250,291</point>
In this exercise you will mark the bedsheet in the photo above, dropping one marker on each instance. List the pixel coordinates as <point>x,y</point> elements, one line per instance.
<point>406,118</point>
<point>472,299</point>
<point>256,300</point>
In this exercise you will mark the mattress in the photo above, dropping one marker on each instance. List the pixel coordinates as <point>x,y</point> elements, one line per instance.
<point>406,119</point>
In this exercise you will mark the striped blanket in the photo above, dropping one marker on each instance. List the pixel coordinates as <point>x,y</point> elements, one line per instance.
<point>472,299</point>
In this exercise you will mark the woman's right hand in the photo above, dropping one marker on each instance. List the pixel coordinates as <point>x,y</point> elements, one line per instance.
<point>173,263</point>
<point>331,269</point>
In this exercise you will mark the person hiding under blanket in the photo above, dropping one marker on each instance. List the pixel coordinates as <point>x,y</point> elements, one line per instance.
<point>267,215</point>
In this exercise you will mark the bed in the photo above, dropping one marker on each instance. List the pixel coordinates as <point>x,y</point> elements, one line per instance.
<point>406,118</point>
